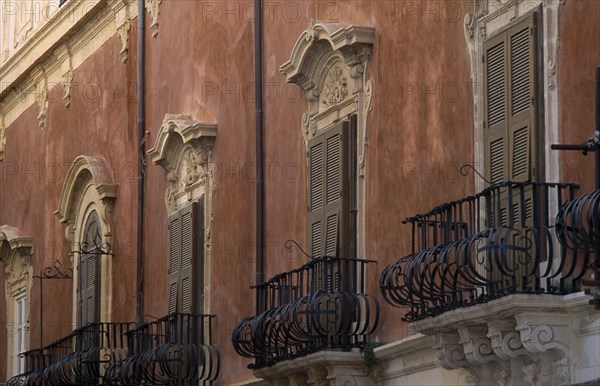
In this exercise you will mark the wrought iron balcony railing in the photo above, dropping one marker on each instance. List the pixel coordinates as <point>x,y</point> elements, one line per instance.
<point>501,241</point>
<point>80,358</point>
<point>322,305</point>
<point>174,350</point>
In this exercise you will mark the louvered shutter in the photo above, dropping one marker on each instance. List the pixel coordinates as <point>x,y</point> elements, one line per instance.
<point>174,261</point>
<point>495,115</point>
<point>88,272</point>
<point>521,40</point>
<point>511,114</point>
<point>185,261</point>
<point>329,185</point>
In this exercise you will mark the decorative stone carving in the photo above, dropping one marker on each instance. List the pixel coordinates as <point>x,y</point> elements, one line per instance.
<point>450,353</point>
<point>123,31</point>
<point>68,86</point>
<point>183,148</point>
<point>506,342</point>
<point>122,12</point>
<point>335,88</point>
<point>153,7</point>
<point>41,95</point>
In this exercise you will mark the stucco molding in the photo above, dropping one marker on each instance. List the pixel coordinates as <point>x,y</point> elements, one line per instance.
<point>41,95</point>
<point>122,12</point>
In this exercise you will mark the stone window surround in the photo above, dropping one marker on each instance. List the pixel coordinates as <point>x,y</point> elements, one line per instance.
<point>329,62</point>
<point>183,148</point>
<point>488,18</point>
<point>89,186</point>
<point>15,253</point>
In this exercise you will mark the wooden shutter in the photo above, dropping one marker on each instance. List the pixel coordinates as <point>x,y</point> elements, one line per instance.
<point>185,260</point>
<point>329,192</point>
<point>510,137</point>
<point>88,272</point>
<point>510,109</point>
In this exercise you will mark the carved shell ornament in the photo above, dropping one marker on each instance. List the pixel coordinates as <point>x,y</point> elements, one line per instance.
<point>335,87</point>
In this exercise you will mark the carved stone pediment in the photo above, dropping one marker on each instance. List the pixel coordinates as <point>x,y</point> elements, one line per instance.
<point>183,149</point>
<point>15,254</point>
<point>329,62</point>
<point>87,173</point>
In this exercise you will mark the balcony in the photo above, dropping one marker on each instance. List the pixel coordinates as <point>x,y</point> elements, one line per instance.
<point>499,242</point>
<point>80,358</point>
<point>173,350</point>
<point>496,278</point>
<point>319,306</point>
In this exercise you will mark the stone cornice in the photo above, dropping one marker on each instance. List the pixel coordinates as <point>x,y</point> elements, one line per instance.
<point>12,236</point>
<point>58,47</point>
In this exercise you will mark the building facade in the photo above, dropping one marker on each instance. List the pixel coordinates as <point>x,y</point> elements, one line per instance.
<point>386,208</point>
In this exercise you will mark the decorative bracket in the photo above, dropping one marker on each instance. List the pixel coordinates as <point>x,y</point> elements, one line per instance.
<point>153,7</point>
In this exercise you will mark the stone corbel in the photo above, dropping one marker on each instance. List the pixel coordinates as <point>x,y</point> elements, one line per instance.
<point>122,12</point>
<point>505,340</point>
<point>548,342</point>
<point>153,7</point>
<point>65,56</point>
<point>476,345</point>
<point>450,352</point>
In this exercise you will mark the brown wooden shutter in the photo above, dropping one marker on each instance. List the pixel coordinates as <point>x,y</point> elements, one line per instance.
<point>329,188</point>
<point>522,86</point>
<point>495,115</point>
<point>88,272</point>
<point>174,260</point>
<point>185,260</point>
<point>510,104</point>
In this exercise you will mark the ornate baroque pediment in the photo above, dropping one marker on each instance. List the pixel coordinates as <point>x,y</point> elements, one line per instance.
<point>15,254</point>
<point>329,63</point>
<point>183,149</point>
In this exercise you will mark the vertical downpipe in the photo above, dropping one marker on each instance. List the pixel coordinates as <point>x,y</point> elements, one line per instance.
<point>258,109</point>
<point>597,130</point>
<point>141,124</point>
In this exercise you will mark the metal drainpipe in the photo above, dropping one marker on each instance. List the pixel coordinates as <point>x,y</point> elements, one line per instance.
<point>141,123</point>
<point>258,108</point>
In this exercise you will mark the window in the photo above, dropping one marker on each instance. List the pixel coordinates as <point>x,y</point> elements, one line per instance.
<point>20,323</point>
<point>88,286</point>
<point>185,259</point>
<point>510,105</point>
<point>331,198</point>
